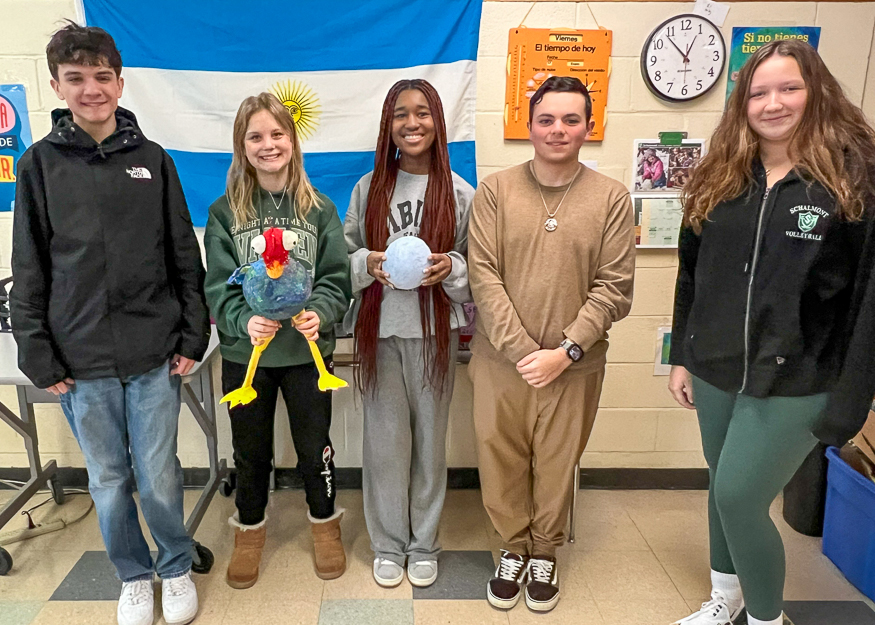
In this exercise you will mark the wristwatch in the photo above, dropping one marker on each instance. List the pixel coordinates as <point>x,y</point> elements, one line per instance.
<point>572,349</point>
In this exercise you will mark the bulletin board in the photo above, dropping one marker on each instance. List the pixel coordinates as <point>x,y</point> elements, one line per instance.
<point>14,139</point>
<point>535,54</point>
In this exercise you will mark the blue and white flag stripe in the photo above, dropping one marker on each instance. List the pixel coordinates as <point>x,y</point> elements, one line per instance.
<point>188,65</point>
<point>299,35</point>
<point>196,109</point>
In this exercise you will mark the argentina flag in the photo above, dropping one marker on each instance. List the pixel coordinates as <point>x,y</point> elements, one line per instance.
<point>188,65</point>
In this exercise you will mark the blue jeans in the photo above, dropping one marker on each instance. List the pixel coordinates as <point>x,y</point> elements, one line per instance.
<point>127,428</point>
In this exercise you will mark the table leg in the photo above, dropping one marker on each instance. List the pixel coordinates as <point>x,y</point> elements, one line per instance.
<point>40,476</point>
<point>205,415</point>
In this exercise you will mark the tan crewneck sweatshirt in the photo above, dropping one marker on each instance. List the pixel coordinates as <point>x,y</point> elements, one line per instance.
<point>534,288</point>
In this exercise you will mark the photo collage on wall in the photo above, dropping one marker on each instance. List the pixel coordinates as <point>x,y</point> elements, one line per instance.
<point>661,168</point>
<point>660,173</point>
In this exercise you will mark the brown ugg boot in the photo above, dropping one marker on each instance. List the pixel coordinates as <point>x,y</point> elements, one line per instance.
<point>329,557</point>
<point>248,544</point>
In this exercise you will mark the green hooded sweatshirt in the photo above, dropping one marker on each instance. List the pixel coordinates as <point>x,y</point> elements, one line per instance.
<point>321,250</point>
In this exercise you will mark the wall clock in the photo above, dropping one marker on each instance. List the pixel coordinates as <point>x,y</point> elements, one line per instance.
<point>683,58</point>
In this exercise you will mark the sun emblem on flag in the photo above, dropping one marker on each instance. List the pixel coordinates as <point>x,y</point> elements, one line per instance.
<point>302,104</point>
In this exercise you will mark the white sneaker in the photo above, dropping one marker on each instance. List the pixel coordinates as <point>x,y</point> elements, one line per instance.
<point>717,611</point>
<point>386,573</point>
<point>422,573</point>
<point>136,603</point>
<point>179,599</point>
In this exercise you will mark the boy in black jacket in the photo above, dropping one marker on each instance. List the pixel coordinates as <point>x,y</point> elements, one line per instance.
<point>108,311</point>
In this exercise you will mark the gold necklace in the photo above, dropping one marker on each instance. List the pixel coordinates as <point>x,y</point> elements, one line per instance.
<point>551,224</point>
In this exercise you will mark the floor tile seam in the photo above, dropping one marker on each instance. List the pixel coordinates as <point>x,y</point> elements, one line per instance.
<point>670,578</point>
<point>659,561</point>
<point>593,597</point>
<point>644,538</point>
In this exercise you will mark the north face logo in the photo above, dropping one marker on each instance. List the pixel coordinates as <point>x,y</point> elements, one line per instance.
<point>140,173</point>
<point>807,221</point>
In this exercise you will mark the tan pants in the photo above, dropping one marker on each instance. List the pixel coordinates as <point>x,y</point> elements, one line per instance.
<point>529,441</point>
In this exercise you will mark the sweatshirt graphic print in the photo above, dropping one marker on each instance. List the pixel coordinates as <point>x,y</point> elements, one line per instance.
<point>399,315</point>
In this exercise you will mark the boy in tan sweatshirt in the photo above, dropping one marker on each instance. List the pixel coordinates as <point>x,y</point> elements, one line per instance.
<point>551,264</point>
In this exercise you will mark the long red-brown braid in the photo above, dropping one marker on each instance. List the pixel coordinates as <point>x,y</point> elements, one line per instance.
<point>438,230</point>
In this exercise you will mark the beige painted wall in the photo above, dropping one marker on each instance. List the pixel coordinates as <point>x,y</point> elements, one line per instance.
<point>639,424</point>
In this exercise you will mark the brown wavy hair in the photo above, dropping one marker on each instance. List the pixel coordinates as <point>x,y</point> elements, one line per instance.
<point>833,144</point>
<point>242,180</point>
<point>438,230</point>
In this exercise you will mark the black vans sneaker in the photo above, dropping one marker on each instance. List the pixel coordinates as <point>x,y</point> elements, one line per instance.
<point>542,590</point>
<point>503,590</point>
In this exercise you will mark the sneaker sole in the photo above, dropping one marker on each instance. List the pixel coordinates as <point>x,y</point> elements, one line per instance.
<point>733,618</point>
<point>183,620</point>
<point>420,582</point>
<point>501,604</point>
<point>542,606</point>
<point>389,583</point>
<point>144,622</point>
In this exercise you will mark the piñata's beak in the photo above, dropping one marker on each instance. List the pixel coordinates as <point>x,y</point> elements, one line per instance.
<point>275,269</point>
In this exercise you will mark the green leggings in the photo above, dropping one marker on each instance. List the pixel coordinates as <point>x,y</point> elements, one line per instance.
<point>753,447</point>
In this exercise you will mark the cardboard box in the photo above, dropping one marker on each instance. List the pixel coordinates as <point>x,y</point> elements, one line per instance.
<point>865,440</point>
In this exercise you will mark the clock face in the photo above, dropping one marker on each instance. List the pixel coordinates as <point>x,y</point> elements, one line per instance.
<point>683,58</point>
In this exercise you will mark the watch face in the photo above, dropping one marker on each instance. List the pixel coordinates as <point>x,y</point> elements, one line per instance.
<point>575,352</point>
<point>683,58</point>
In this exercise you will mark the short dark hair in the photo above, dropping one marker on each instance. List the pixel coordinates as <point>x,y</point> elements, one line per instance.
<point>82,45</point>
<point>562,84</point>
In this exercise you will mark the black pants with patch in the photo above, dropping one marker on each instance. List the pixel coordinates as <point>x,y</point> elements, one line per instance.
<point>252,436</point>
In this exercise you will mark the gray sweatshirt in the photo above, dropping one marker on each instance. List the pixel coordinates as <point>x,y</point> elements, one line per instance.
<point>399,315</point>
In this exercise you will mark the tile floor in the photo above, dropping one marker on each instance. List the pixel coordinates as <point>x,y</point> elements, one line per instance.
<point>640,559</point>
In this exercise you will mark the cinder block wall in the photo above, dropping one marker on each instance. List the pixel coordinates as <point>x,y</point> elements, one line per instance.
<point>638,425</point>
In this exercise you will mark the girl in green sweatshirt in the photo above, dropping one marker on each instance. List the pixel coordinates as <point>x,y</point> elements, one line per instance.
<point>268,188</point>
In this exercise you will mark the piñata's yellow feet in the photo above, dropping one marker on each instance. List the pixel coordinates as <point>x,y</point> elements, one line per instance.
<point>242,395</point>
<point>246,393</point>
<point>327,381</point>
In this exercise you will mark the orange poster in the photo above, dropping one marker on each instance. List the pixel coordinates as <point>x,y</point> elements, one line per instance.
<point>535,54</point>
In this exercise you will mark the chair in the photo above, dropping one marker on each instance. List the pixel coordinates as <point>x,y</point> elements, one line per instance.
<point>575,490</point>
<point>5,325</point>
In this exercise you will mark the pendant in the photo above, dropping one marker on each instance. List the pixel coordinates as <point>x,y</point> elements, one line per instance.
<point>550,224</point>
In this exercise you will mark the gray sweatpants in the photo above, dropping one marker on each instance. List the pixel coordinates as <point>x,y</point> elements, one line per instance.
<point>404,462</point>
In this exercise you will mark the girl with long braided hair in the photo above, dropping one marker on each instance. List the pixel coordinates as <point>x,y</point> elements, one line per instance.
<point>406,341</point>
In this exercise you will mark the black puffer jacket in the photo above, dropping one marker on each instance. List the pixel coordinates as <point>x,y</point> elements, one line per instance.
<point>108,279</point>
<point>776,298</point>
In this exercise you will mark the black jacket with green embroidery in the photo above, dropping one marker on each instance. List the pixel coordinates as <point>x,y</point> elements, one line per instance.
<point>776,298</point>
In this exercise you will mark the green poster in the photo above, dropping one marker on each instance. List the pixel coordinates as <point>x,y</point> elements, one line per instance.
<point>746,40</point>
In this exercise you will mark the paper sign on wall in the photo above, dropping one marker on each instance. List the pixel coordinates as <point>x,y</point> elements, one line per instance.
<point>535,54</point>
<point>661,364</point>
<point>14,139</point>
<point>747,40</point>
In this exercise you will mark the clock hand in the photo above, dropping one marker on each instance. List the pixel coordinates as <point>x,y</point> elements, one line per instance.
<point>690,47</point>
<point>671,41</point>
<point>687,56</point>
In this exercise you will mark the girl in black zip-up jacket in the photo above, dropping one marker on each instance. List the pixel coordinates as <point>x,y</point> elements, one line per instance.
<point>774,316</point>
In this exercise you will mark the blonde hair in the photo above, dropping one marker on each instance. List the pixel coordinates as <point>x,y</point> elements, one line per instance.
<point>833,144</point>
<point>242,180</point>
